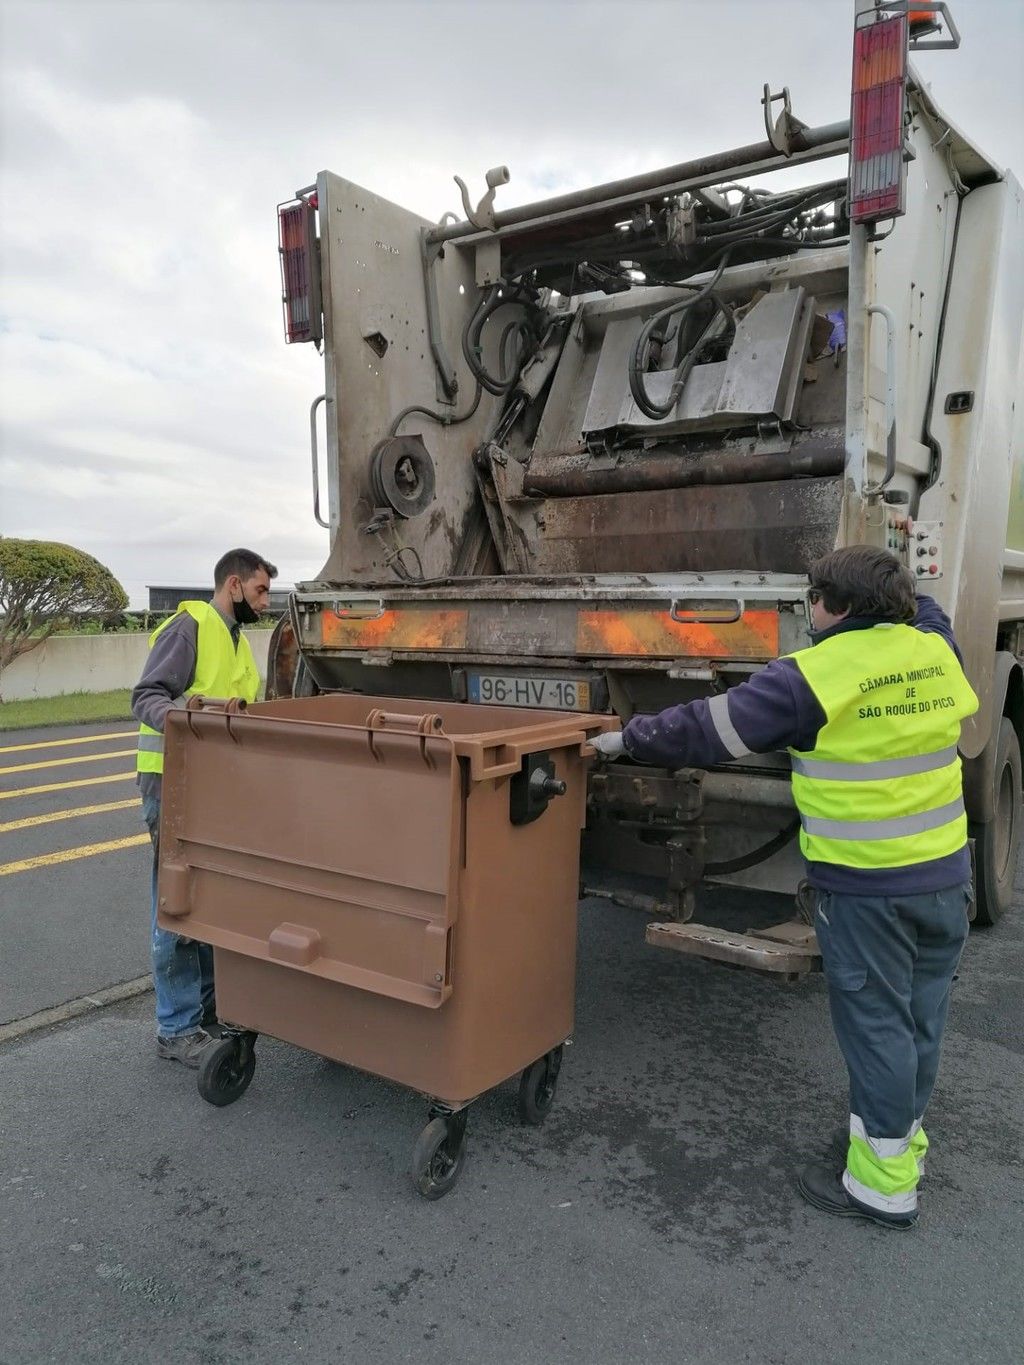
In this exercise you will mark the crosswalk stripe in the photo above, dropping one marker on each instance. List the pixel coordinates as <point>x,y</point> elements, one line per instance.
<point>66,762</point>
<point>64,786</point>
<point>51,816</point>
<point>56,743</point>
<point>69,855</point>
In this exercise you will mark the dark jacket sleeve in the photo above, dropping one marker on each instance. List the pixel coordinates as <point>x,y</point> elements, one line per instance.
<point>930,617</point>
<point>169,670</point>
<point>776,709</point>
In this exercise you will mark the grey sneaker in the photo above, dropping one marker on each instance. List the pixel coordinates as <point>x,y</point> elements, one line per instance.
<point>187,1048</point>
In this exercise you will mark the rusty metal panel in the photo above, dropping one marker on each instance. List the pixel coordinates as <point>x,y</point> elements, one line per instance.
<point>528,619</point>
<point>378,362</point>
<point>412,628</point>
<point>779,527</point>
<point>645,632</point>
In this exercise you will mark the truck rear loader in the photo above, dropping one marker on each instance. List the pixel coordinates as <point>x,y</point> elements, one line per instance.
<point>581,453</point>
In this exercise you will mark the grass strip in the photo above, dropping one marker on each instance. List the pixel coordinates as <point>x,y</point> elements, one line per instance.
<point>73,709</point>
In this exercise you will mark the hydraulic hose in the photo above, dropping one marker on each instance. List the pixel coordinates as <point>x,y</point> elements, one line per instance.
<point>756,855</point>
<point>639,355</point>
<point>495,298</point>
<point>928,436</point>
<point>445,419</point>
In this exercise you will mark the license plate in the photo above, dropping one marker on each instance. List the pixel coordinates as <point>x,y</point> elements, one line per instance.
<point>509,689</point>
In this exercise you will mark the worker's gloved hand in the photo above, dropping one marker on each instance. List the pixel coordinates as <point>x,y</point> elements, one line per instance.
<point>609,745</point>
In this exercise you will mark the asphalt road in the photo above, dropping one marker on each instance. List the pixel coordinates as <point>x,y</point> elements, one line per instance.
<point>652,1218</point>
<point>74,859</point>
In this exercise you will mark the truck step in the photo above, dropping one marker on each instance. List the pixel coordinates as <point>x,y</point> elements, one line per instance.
<point>789,948</point>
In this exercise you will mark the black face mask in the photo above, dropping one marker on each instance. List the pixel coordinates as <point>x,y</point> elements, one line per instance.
<point>244,614</point>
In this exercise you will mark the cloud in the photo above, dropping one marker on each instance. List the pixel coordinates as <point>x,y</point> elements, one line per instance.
<point>149,410</point>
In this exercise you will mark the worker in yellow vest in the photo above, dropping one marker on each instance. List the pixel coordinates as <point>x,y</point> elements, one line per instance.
<point>870,715</point>
<point>199,650</point>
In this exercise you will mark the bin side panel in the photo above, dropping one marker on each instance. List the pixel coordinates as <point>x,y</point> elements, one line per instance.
<point>513,959</point>
<point>514,969</point>
<point>324,849</point>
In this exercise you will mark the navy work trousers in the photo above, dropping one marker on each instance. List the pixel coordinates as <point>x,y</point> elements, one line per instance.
<point>889,962</point>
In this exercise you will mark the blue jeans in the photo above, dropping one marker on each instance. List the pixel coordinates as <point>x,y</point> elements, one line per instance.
<point>182,968</point>
<point>889,963</point>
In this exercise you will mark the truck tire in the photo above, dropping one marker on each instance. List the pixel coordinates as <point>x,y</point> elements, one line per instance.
<point>997,842</point>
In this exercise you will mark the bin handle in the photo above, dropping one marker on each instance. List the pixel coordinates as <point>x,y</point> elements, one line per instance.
<point>730,610</point>
<point>429,724</point>
<point>316,459</point>
<point>226,706</point>
<point>231,705</point>
<point>405,723</point>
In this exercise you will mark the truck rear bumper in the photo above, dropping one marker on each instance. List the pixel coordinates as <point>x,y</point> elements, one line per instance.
<point>588,621</point>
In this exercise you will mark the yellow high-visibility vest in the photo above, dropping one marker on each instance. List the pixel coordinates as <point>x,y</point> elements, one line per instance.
<point>221,671</point>
<point>882,786</point>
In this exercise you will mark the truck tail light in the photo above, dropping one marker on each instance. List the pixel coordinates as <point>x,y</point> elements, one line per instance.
<point>300,271</point>
<point>877,174</point>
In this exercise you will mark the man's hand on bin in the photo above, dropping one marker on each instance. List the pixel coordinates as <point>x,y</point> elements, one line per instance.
<point>609,745</point>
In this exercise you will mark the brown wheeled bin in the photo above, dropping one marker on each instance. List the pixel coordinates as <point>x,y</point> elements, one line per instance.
<point>389,883</point>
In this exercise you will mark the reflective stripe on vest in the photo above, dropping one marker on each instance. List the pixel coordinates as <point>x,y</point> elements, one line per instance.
<point>893,699</point>
<point>221,671</point>
<point>872,772</point>
<point>884,829</point>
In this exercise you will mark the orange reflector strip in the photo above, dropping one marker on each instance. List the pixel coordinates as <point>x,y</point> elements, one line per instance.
<point>397,630</point>
<point>641,633</point>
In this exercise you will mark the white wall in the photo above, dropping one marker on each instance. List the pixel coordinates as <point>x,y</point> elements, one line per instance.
<point>91,663</point>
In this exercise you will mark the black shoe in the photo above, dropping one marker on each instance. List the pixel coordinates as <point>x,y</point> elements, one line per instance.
<point>837,1150</point>
<point>209,1022</point>
<point>821,1186</point>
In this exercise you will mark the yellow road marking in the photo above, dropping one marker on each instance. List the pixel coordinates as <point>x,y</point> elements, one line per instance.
<point>69,855</point>
<point>65,762</point>
<point>54,743</point>
<point>65,786</point>
<point>53,815</point>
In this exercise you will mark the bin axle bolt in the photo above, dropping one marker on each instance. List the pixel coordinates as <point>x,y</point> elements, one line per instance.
<point>549,786</point>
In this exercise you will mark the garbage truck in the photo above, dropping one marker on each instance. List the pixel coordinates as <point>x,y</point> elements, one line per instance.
<point>579,454</point>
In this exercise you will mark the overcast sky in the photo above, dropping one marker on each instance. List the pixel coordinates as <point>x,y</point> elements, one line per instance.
<point>151,413</point>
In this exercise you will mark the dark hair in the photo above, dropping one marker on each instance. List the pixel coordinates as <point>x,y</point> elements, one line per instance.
<point>866,581</point>
<point>244,563</point>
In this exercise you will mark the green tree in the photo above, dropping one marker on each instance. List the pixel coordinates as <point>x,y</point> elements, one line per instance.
<point>44,586</point>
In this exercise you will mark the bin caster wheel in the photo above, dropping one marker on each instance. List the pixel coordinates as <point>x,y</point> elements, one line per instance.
<point>227,1069</point>
<point>439,1154</point>
<point>537,1087</point>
